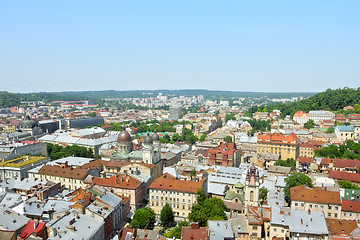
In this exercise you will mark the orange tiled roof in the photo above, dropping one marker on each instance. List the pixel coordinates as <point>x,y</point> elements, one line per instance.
<point>337,226</point>
<point>278,138</point>
<point>306,160</point>
<point>346,163</point>
<point>315,195</point>
<point>168,182</point>
<point>118,181</point>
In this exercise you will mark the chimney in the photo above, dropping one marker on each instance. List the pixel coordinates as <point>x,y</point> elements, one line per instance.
<point>195,225</point>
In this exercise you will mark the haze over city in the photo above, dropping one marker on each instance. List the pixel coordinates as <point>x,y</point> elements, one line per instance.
<point>268,46</point>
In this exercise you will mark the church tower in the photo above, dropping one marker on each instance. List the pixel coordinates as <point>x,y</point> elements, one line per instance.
<point>252,187</point>
<point>157,146</point>
<point>150,155</point>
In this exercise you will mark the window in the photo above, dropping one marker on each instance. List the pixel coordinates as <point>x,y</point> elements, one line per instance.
<point>296,204</point>
<point>275,230</point>
<point>282,230</point>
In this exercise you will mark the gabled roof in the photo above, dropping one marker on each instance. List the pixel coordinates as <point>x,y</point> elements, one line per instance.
<point>118,181</point>
<point>65,172</point>
<point>30,228</point>
<point>168,182</point>
<point>314,195</point>
<point>337,226</point>
<point>352,177</point>
<point>350,206</point>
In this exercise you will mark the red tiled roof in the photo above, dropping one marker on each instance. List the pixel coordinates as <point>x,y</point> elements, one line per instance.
<point>350,206</point>
<point>315,195</point>
<point>346,163</point>
<point>189,233</point>
<point>306,160</point>
<point>301,114</point>
<point>168,182</point>
<point>278,138</point>
<point>352,177</point>
<point>30,228</point>
<point>118,181</point>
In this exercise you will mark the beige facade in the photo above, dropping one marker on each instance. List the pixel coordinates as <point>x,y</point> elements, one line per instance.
<point>329,210</point>
<point>180,202</point>
<point>69,183</point>
<point>284,150</point>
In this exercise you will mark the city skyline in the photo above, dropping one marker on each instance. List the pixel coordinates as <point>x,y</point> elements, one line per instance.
<point>257,47</point>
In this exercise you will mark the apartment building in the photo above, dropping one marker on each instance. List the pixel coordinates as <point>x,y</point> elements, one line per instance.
<point>286,146</point>
<point>180,194</point>
<point>316,199</point>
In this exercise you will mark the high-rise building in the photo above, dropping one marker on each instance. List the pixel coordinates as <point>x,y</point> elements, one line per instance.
<point>175,113</point>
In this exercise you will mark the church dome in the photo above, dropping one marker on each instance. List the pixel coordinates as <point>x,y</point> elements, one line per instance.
<point>155,137</point>
<point>148,139</point>
<point>28,123</point>
<point>124,137</point>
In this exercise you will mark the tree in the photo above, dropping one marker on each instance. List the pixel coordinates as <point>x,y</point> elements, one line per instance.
<point>176,231</point>
<point>290,162</point>
<point>200,196</point>
<point>143,218</point>
<point>167,216</point>
<point>165,139</point>
<point>348,185</point>
<point>208,209</point>
<point>263,192</point>
<point>296,179</point>
<point>202,138</point>
<point>330,130</point>
<point>309,124</point>
<point>228,139</point>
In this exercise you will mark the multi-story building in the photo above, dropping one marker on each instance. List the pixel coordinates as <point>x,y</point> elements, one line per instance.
<point>318,116</point>
<point>316,199</point>
<point>225,154</point>
<point>344,133</point>
<point>19,167</point>
<point>289,223</point>
<point>286,146</point>
<point>301,117</point>
<point>350,210</point>
<point>175,113</point>
<point>179,194</point>
<point>69,177</point>
<point>124,185</point>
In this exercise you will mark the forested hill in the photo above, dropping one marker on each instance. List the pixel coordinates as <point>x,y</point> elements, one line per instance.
<point>333,100</point>
<point>14,99</point>
<point>186,92</point>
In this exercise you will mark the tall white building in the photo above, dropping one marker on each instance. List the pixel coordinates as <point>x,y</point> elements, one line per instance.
<point>318,116</point>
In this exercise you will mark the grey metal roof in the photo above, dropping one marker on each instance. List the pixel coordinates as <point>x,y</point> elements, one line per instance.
<point>300,221</point>
<point>85,226</point>
<point>10,200</point>
<point>10,220</point>
<point>72,161</point>
<point>218,189</point>
<point>218,230</point>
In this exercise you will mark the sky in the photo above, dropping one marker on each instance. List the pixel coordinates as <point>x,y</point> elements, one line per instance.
<point>262,46</point>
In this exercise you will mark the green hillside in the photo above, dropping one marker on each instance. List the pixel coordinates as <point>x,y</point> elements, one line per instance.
<point>333,100</point>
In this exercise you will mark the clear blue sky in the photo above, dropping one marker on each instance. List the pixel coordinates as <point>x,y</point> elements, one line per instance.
<point>224,45</point>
